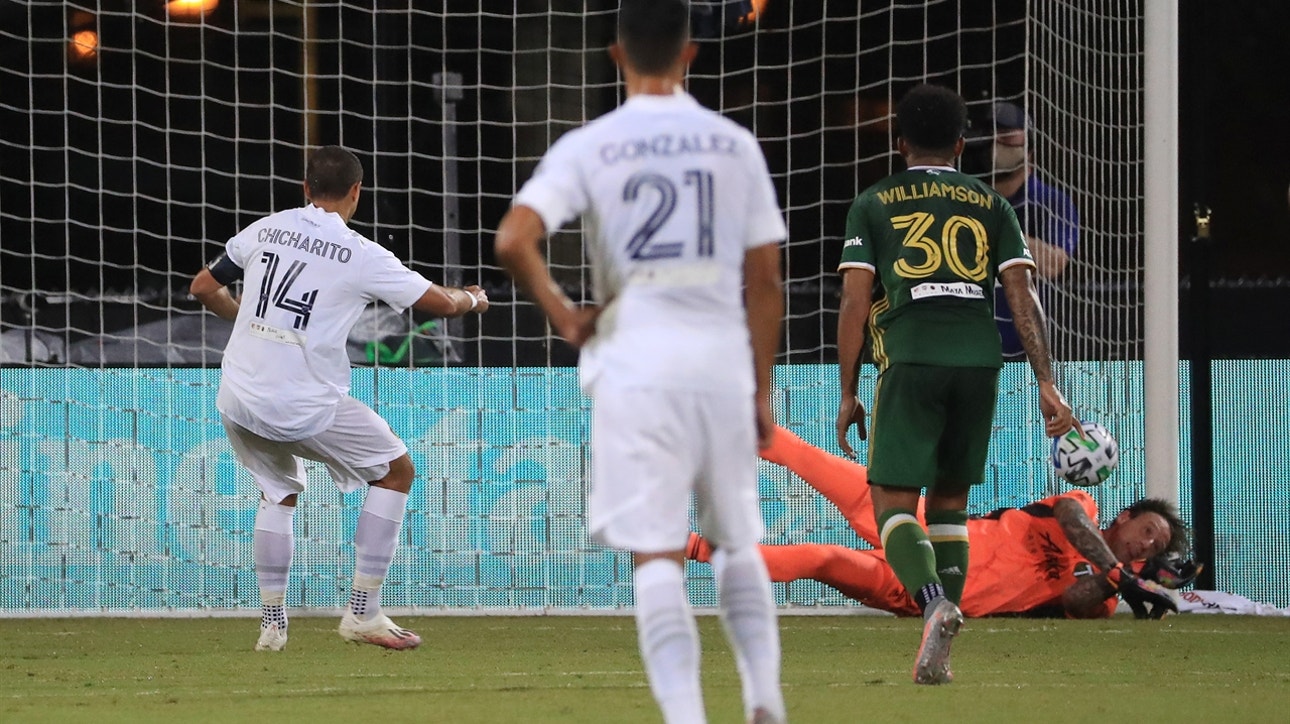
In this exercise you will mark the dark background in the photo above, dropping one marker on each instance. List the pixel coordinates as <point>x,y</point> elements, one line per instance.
<point>126,174</point>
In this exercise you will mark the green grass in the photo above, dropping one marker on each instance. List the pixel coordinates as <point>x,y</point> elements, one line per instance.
<point>586,669</point>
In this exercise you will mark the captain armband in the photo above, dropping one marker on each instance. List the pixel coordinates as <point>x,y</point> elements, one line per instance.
<point>224,270</point>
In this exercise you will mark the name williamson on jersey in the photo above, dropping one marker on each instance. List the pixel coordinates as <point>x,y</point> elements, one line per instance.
<point>935,189</point>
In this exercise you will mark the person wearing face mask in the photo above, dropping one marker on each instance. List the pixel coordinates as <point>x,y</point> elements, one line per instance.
<point>1002,153</point>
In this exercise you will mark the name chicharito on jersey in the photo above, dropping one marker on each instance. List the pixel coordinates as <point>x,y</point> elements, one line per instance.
<point>666,144</point>
<point>300,240</point>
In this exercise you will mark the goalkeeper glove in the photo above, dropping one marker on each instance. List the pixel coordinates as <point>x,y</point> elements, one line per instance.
<point>1147,599</point>
<point>1171,570</point>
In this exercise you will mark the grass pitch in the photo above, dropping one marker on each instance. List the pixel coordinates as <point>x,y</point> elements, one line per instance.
<point>586,669</point>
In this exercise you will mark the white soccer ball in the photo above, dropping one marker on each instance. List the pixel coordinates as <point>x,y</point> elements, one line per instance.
<point>1086,461</point>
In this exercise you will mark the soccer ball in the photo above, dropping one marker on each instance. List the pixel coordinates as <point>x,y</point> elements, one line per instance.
<point>1086,461</point>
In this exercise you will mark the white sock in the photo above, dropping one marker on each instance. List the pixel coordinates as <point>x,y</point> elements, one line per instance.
<point>669,641</point>
<point>749,618</point>
<point>375,539</point>
<point>273,548</point>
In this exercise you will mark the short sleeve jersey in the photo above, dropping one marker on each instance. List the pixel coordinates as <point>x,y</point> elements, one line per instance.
<point>936,241</point>
<point>1021,560</point>
<point>672,195</point>
<point>306,279</point>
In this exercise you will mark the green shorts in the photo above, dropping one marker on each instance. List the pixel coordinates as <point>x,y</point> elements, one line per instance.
<point>931,426</point>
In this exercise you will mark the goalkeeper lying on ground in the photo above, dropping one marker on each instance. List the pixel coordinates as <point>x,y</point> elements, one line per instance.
<point>1048,558</point>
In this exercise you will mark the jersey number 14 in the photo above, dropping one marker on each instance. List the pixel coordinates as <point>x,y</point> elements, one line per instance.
<point>277,295</point>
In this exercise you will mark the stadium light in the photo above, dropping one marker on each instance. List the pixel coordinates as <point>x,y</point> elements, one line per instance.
<point>191,9</point>
<point>84,45</point>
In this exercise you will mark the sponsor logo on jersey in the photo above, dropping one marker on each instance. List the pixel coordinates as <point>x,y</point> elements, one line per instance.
<point>963,290</point>
<point>853,241</point>
<point>274,334</point>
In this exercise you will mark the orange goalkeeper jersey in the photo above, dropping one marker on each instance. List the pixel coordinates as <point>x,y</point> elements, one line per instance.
<point>1020,560</point>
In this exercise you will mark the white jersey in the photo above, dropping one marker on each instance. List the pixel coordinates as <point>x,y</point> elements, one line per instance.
<point>306,279</point>
<point>672,196</point>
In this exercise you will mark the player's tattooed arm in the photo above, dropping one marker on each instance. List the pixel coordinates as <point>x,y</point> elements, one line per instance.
<point>1086,597</point>
<point>1028,318</point>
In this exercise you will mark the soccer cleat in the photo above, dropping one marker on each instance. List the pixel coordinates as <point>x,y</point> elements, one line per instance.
<point>763,716</point>
<point>379,631</point>
<point>272,638</point>
<point>933,663</point>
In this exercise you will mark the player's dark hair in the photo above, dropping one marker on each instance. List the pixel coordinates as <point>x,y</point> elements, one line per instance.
<point>931,118</point>
<point>653,32</point>
<point>1179,533</point>
<point>331,172</point>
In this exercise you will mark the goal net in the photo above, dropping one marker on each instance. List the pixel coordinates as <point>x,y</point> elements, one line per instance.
<point>135,141</point>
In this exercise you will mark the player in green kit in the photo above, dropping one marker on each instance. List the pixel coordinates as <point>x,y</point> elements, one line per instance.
<point>922,250</point>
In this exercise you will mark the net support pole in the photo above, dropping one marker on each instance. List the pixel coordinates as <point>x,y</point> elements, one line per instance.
<point>1202,404</point>
<point>447,92</point>
<point>1160,356</point>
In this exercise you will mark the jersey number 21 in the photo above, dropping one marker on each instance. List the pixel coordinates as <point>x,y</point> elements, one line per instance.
<point>643,246</point>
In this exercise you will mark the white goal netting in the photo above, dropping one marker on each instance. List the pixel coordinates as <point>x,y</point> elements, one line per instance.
<point>134,143</point>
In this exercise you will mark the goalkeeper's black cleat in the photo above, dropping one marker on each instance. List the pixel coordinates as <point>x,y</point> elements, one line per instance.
<point>1171,570</point>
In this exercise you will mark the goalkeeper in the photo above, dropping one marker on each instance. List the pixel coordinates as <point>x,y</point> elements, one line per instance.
<point>1048,558</point>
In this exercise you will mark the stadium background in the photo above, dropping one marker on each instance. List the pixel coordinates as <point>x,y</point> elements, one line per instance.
<point>126,167</point>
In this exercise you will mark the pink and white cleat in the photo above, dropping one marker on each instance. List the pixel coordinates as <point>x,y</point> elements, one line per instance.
<point>379,631</point>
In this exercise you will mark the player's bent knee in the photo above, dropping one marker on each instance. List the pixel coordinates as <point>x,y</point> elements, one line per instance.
<point>400,477</point>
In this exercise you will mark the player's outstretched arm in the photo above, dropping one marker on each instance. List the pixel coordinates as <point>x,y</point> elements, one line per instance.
<point>1028,318</point>
<point>452,302</point>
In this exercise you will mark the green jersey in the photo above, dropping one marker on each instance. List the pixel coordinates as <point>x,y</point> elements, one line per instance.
<point>936,241</point>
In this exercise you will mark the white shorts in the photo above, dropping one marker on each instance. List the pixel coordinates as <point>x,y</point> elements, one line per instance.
<point>357,449</point>
<point>651,448</point>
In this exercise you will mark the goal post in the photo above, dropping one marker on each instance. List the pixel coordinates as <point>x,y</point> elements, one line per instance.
<point>1160,154</point>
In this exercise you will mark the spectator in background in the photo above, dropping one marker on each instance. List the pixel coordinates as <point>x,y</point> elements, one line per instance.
<point>1001,154</point>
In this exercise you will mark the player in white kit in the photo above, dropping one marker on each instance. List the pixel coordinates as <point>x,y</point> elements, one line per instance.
<point>284,391</point>
<point>682,228</point>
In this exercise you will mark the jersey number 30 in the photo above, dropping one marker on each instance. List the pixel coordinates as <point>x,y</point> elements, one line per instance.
<point>642,246</point>
<point>945,251</point>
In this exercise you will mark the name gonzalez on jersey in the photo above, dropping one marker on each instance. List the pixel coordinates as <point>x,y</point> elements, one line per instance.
<point>666,144</point>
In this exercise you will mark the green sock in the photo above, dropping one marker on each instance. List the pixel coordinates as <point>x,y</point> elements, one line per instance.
<point>947,530</point>
<point>909,551</point>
